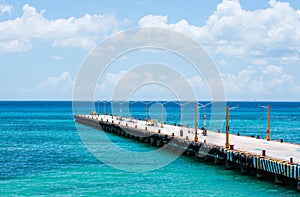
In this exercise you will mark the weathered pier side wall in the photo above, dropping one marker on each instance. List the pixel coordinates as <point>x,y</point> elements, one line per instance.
<point>282,172</point>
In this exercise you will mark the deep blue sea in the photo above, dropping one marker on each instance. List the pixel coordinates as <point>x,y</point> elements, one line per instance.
<point>42,154</point>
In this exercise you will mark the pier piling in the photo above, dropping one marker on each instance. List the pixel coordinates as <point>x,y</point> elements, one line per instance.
<point>279,179</point>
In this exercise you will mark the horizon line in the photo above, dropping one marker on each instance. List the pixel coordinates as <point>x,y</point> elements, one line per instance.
<point>65,100</point>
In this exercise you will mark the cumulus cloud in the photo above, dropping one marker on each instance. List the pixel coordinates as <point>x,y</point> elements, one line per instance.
<point>200,87</point>
<point>84,32</point>
<point>236,83</point>
<point>259,62</point>
<point>5,9</point>
<point>14,45</point>
<point>150,86</point>
<point>58,85</point>
<point>232,30</point>
<point>154,21</point>
<point>272,69</point>
<point>265,83</point>
<point>222,62</point>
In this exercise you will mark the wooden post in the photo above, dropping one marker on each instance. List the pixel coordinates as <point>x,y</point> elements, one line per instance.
<point>227,128</point>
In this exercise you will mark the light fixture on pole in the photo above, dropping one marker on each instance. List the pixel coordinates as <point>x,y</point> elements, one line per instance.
<point>163,116</point>
<point>121,110</point>
<point>269,121</point>
<point>196,123</point>
<point>227,144</point>
<point>204,113</point>
<point>146,112</point>
<point>146,103</point>
<point>130,105</point>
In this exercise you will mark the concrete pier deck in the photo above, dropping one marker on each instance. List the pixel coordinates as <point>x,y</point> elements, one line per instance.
<point>274,149</point>
<point>248,153</point>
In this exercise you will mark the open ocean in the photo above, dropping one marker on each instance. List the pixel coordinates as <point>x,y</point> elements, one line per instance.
<point>41,154</point>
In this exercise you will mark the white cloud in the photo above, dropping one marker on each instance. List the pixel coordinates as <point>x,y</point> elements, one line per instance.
<point>237,83</point>
<point>163,90</point>
<point>5,9</point>
<point>199,85</point>
<point>84,32</point>
<point>222,62</point>
<point>271,69</point>
<point>14,45</point>
<point>259,62</point>
<point>232,30</point>
<point>269,82</point>
<point>104,89</point>
<point>290,59</point>
<point>154,21</point>
<point>265,83</point>
<point>58,85</point>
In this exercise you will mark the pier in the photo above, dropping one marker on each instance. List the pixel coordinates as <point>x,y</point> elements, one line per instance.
<point>264,158</point>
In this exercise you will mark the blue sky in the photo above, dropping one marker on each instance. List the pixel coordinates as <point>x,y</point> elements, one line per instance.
<point>254,43</point>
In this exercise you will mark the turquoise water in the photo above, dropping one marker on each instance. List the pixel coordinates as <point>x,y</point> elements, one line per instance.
<point>42,154</point>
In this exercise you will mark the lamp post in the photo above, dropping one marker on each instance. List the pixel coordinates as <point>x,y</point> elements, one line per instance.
<point>269,121</point>
<point>196,118</point>
<point>181,114</point>
<point>121,110</point>
<point>227,128</point>
<point>162,114</point>
<point>130,111</point>
<point>204,113</point>
<point>196,123</point>
<point>104,111</point>
<point>204,117</point>
<point>227,144</point>
<point>146,113</point>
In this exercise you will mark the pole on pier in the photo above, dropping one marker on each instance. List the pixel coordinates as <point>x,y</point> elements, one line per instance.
<point>227,128</point>
<point>204,117</point>
<point>269,123</point>
<point>196,123</point>
<point>146,112</point>
<point>181,114</point>
<point>162,115</point>
<point>121,111</point>
<point>130,111</point>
